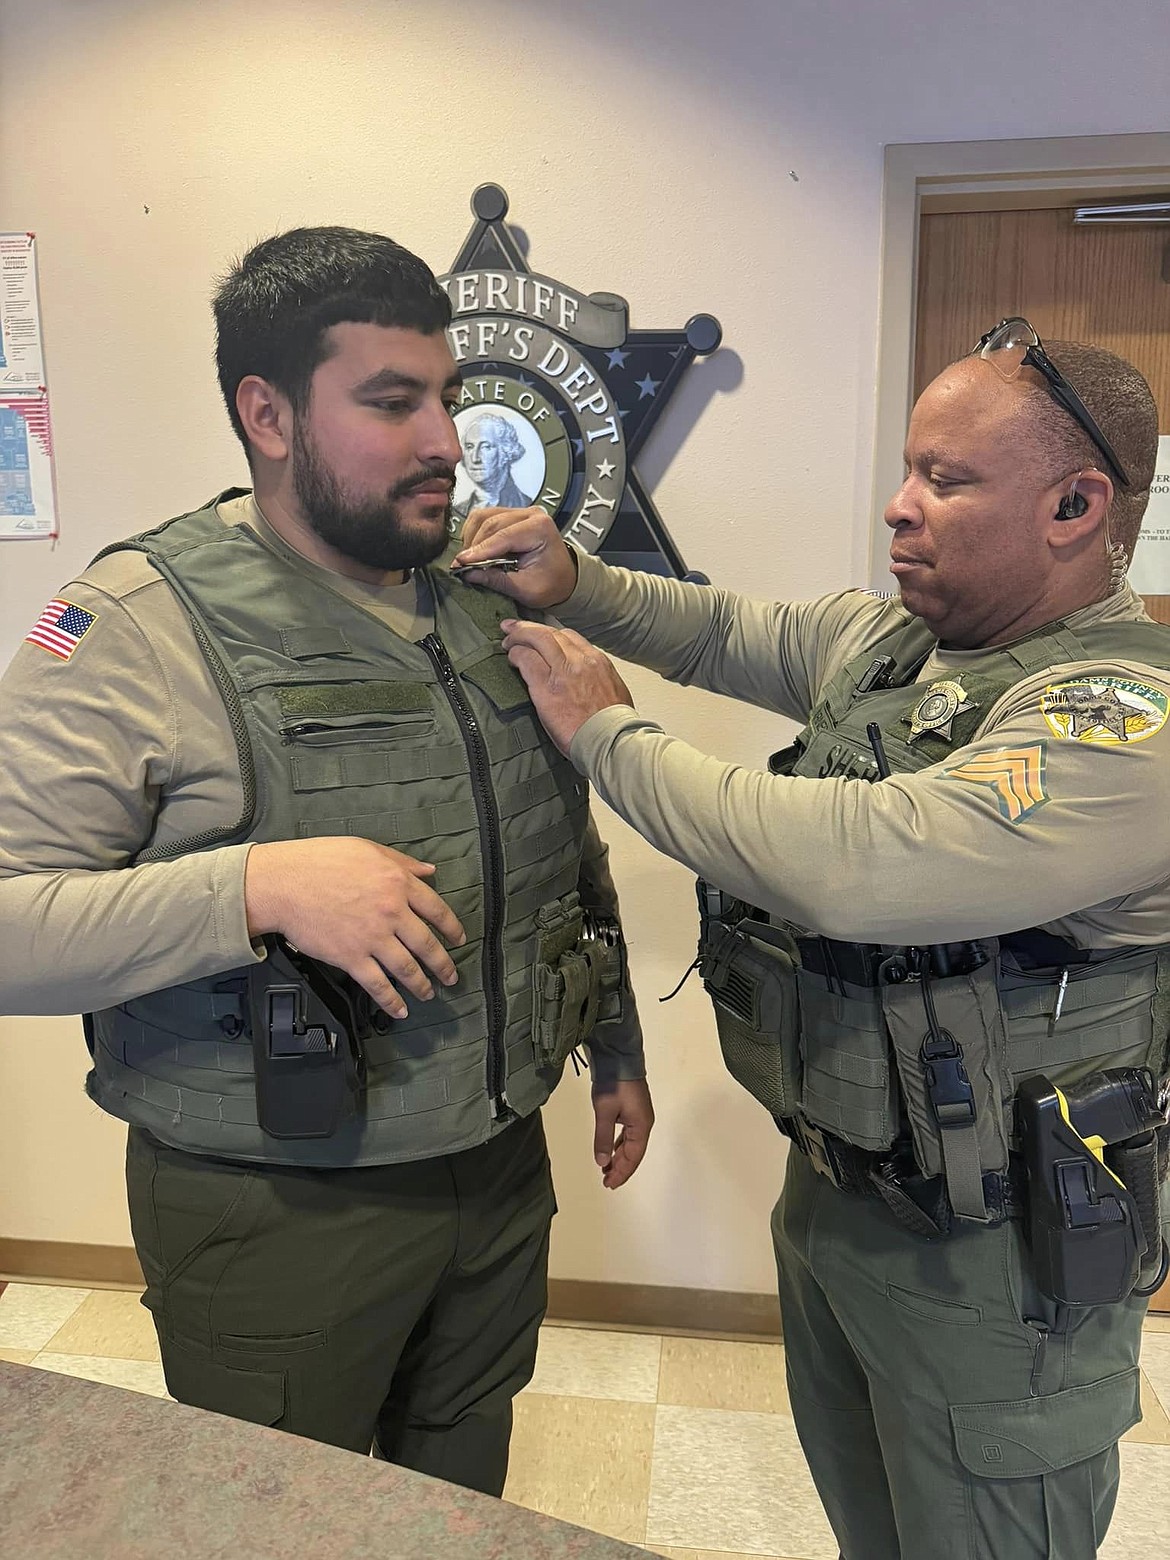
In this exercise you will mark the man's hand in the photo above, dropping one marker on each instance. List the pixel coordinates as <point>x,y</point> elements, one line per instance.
<point>568,679</point>
<point>629,1106</point>
<point>360,906</point>
<point>548,567</point>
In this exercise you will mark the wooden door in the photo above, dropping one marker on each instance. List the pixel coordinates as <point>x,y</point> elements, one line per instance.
<point>1099,284</point>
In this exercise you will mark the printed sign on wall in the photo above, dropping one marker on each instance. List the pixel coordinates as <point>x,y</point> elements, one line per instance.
<point>27,506</point>
<point>1149,573</point>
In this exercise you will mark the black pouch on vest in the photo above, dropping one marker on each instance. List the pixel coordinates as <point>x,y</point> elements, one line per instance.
<point>309,1069</point>
<point>749,969</point>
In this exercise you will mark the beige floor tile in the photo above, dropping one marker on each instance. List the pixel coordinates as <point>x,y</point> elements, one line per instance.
<point>134,1375</point>
<point>31,1313</point>
<point>572,1362</point>
<point>111,1325</point>
<point>1140,1529</point>
<point>1156,1365</point>
<point>1157,1321</point>
<point>733,1481</point>
<point>749,1377</point>
<point>18,1356</point>
<point>1155,1425</point>
<point>711,1554</point>
<point>585,1461</point>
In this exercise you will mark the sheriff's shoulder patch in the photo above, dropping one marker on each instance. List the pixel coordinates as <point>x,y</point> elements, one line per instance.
<point>60,628</point>
<point>1016,775</point>
<point>1104,710</point>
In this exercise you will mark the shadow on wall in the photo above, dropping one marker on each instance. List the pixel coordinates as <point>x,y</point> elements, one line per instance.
<point>706,378</point>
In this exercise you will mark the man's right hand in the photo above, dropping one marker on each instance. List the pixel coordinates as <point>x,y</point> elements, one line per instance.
<point>362,907</point>
<point>548,567</point>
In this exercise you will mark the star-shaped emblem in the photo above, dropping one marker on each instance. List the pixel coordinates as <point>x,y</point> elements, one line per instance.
<point>508,319</point>
<point>936,710</point>
<point>1089,708</point>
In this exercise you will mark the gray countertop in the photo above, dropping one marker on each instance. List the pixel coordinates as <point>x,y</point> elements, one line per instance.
<point>92,1472</point>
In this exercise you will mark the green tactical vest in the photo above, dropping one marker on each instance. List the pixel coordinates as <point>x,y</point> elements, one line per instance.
<point>810,1030</point>
<point>344,728</point>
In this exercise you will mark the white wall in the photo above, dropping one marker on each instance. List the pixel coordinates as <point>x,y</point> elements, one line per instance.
<point>692,156</point>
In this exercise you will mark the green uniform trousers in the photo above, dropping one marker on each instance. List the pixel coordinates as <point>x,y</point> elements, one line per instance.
<point>945,1406</point>
<point>393,1308</point>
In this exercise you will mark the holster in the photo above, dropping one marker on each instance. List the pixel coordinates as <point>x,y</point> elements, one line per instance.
<point>306,1025</point>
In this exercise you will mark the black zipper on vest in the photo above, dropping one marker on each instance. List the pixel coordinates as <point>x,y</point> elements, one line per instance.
<point>493,863</point>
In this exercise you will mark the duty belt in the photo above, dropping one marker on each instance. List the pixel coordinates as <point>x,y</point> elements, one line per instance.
<point>892,1177</point>
<point>861,964</point>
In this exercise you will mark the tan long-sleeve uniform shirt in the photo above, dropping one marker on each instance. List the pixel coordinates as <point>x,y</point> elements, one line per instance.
<point>921,858</point>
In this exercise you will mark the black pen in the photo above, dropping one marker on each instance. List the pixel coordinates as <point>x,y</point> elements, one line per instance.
<point>873,732</point>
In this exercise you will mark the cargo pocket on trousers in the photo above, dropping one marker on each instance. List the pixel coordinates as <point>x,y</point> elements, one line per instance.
<point>195,1377</point>
<point>1039,1435</point>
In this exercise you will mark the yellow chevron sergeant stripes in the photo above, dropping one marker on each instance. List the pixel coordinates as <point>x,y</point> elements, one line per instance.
<point>1016,775</point>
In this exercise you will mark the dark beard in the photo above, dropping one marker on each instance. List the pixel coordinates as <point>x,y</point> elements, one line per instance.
<point>370,532</point>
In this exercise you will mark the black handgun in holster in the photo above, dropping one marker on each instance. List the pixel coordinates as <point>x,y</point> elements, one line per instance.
<point>1093,1223</point>
<point>306,1045</point>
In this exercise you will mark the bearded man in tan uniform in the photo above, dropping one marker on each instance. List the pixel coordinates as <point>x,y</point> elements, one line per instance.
<point>908,952</point>
<point>320,883</point>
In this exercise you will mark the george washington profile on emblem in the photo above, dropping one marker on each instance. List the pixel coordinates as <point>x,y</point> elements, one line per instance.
<point>503,461</point>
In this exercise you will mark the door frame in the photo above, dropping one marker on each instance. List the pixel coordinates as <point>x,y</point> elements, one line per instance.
<point>974,176</point>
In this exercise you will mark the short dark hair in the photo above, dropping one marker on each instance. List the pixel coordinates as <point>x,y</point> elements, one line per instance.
<point>1124,408</point>
<point>274,306</point>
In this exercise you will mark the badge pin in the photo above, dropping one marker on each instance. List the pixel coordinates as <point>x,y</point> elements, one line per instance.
<point>936,710</point>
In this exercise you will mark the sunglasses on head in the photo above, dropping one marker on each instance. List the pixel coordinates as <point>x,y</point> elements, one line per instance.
<point>1012,346</point>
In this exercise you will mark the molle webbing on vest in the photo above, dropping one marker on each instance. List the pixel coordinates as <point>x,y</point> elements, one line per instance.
<point>856,1065</point>
<point>351,734</point>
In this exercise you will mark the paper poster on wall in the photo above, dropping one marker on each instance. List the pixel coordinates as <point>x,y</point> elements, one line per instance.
<point>22,363</point>
<point>1149,573</point>
<point>27,509</point>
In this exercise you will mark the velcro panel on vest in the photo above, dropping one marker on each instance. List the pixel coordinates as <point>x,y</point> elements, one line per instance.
<point>932,746</point>
<point>356,698</point>
<point>496,677</point>
<point>306,644</point>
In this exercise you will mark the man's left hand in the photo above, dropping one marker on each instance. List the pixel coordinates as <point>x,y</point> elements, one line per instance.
<point>568,679</point>
<point>628,1105</point>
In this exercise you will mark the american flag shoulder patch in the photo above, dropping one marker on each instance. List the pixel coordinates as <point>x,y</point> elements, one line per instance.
<point>1016,775</point>
<point>60,628</point>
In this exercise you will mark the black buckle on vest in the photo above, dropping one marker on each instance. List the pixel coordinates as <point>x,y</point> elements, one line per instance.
<point>949,1089</point>
<point>818,1150</point>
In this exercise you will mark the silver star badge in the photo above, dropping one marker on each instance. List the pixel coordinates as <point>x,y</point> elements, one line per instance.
<point>936,710</point>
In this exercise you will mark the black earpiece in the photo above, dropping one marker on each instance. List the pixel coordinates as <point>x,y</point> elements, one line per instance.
<point>1072,507</point>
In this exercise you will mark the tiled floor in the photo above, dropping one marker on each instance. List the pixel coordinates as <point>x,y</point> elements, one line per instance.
<point>683,1445</point>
